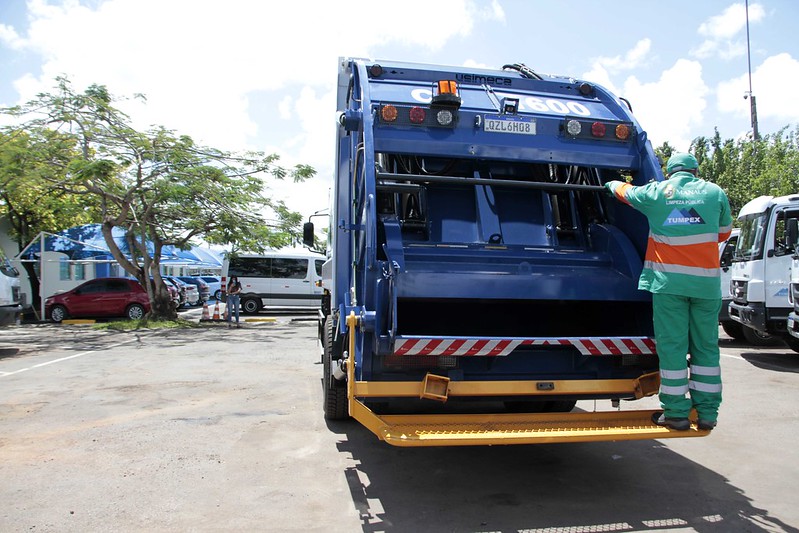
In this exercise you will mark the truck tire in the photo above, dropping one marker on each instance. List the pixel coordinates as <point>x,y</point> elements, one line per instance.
<point>250,306</point>
<point>326,336</point>
<point>334,392</point>
<point>757,338</point>
<point>734,330</point>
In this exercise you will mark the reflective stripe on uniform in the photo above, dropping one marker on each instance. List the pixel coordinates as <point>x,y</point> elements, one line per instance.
<point>680,390</point>
<point>714,388</point>
<point>702,238</point>
<point>674,374</point>
<point>681,269</point>
<point>705,370</point>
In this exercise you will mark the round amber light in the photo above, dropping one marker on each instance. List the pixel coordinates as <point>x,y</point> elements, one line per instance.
<point>389,113</point>
<point>622,132</point>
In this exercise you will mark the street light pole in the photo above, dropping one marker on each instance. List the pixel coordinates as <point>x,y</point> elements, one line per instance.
<point>752,104</point>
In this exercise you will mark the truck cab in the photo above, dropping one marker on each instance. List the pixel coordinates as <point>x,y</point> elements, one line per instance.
<point>761,268</point>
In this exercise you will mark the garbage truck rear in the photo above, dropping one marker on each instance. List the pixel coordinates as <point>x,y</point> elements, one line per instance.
<point>479,282</point>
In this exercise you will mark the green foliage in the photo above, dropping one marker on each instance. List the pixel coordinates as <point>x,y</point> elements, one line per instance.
<point>160,187</point>
<point>145,323</point>
<point>746,169</point>
<point>32,164</point>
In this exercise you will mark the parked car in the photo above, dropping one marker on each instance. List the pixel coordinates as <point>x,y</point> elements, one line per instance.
<point>174,293</point>
<point>100,297</point>
<point>214,285</point>
<point>192,294</point>
<point>180,289</point>
<point>202,286</point>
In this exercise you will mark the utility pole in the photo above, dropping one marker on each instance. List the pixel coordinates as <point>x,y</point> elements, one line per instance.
<point>752,104</point>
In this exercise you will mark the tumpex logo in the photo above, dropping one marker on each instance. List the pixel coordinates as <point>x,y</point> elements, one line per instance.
<point>683,217</point>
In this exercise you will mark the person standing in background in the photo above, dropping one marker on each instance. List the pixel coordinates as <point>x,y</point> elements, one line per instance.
<point>233,300</point>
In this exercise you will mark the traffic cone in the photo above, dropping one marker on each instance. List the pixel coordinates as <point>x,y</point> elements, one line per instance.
<point>206,313</point>
<point>216,312</point>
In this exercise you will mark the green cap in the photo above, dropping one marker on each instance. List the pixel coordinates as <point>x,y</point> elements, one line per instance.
<point>678,162</point>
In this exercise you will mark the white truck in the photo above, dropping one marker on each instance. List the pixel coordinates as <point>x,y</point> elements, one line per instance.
<point>761,266</point>
<point>731,327</point>
<point>10,298</point>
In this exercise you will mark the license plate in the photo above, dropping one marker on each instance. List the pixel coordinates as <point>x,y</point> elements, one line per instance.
<point>514,125</point>
<point>791,324</point>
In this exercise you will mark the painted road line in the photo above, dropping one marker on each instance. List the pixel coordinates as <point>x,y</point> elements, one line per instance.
<point>62,359</point>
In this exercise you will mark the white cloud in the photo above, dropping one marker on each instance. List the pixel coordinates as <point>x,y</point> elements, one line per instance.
<point>9,36</point>
<point>769,81</point>
<point>668,108</point>
<point>202,65</point>
<point>721,32</point>
<point>635,57</point>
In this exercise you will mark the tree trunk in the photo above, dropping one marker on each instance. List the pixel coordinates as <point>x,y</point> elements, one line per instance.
<point>161,307</point>
<point>36,298</point>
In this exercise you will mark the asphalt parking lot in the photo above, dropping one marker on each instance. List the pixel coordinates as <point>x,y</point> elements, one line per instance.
<point>212,429</point>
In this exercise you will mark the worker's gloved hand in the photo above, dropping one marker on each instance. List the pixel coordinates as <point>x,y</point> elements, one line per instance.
<point>609,188</point>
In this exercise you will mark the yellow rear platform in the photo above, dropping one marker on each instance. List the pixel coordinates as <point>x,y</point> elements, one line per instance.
<point>514,428</point>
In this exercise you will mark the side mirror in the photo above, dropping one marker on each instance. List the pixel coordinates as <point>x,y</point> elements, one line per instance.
<point>308,234</point>
<point>792,232</point>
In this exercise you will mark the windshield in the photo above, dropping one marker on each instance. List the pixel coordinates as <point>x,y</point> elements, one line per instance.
<point>750,241</point>
<point>5,267</point>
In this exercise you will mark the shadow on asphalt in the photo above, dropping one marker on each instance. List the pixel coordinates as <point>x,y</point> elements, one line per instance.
<point>778,358</point>
<point>604,486</point>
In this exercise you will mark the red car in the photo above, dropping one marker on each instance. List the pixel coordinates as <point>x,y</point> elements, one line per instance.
<point>100,297</point>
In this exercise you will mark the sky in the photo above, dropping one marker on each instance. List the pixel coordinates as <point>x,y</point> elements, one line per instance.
<point>261,75</point>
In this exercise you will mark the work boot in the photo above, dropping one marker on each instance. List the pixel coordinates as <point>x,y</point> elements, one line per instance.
<point>679,424</point>
<point>705,425</point>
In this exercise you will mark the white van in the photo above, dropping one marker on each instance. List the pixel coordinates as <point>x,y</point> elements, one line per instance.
<point>276,279</point>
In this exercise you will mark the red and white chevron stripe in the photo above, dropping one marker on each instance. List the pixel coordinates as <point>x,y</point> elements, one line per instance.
<point>494,347</point>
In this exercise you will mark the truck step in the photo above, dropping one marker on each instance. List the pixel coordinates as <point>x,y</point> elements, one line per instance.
<point>521,428</point>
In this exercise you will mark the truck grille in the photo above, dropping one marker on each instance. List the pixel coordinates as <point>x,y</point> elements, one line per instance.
<point>738,290</point>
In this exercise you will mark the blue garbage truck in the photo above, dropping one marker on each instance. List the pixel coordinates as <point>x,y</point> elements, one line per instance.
<point>480,287</point>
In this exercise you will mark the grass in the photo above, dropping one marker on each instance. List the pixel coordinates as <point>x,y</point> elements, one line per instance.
<point>130,325</point>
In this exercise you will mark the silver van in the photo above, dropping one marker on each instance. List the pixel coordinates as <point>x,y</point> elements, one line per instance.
<point>276,279</point>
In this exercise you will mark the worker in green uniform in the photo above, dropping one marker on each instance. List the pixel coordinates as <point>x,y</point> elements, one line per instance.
<point>688,217</point>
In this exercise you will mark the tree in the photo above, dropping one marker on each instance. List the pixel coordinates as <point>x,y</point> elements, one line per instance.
<point>30,162</point>
<point>162,188</point>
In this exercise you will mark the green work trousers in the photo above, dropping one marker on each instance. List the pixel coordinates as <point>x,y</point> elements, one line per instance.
<point>683,326</point>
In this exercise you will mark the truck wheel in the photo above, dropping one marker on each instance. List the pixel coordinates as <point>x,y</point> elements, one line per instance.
<point>327,335</point>
<point>250,306</point>
<point>757,338</point>
<point>793,343</point>
<point>734,330</point>
<point>334,391</point>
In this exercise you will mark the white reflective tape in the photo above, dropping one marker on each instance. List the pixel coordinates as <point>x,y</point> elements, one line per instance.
<point>713,388</point>
<point>681,269</point>
<point>705,370</point>
<point>674,374</point>
<point>465,347</point>
<point>702,238</point>
<point>681,390</point>
<point>488,347</point>
<point>442,347</point>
